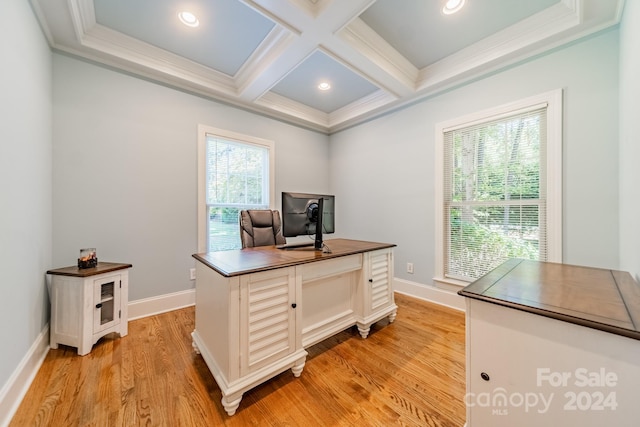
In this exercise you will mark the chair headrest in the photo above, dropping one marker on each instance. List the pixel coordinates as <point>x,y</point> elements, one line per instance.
<point>261,218</point>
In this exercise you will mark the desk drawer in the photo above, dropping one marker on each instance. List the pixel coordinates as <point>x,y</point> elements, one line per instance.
<point>330,267</point>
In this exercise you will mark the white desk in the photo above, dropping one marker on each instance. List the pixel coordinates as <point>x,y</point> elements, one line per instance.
<point>257,309</point>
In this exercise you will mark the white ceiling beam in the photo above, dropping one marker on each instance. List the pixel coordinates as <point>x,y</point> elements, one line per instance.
<point>309,32</point>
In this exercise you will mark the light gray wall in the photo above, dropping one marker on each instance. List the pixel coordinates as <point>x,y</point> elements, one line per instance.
<point>25,183</point>
<point>630,139</point>
<point>125,170</point>
<point>382,171</point>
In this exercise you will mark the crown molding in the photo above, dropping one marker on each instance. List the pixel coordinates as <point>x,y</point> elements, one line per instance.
<point>376,100</point>
<point>293,108</point>
<point>335,119</point>
<point>516,39</point>
<point>83,16</point>
<point>368,43</point>
<point>158,61</point>
<point>42,21</point>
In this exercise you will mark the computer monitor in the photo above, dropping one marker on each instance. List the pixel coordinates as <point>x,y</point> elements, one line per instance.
<point>305,214</point>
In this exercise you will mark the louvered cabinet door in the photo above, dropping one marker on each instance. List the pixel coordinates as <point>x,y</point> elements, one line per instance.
<point>380,274</point>
<point>267,318</point>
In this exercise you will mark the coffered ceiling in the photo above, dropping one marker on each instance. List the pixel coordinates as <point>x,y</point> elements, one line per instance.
<point>269,56</point>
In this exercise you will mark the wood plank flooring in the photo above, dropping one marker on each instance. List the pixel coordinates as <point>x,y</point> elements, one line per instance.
<point>409,373</point>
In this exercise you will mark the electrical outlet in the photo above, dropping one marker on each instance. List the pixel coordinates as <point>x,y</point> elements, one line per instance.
<point>192,274</point>
<point>410,267</point>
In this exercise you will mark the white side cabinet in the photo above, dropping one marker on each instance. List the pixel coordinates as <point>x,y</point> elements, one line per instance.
<point>87,304</point>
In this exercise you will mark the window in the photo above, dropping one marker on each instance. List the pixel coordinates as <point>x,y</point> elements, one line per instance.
<point>235,172</point>
<point>499,188</point>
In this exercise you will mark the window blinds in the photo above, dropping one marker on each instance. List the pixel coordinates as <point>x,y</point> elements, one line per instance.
<point>237,177</point>
<point>494,192</point>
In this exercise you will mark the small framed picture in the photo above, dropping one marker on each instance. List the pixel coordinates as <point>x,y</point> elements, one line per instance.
<point>88,258</point>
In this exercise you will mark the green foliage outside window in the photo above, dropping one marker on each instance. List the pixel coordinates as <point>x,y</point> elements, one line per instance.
<point>237,177</point>
<point>494,195</point>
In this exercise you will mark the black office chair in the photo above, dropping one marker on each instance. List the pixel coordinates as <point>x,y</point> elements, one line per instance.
<point>260,227</point>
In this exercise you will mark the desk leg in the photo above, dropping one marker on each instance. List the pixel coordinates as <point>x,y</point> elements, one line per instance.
<point>297,368</point>
<point>231,403</point>
<point>364,329</point>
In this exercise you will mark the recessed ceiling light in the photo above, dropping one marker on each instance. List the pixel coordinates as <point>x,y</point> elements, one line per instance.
<point>324,86</point>
<point>452,6</point>
<point>188,19</point>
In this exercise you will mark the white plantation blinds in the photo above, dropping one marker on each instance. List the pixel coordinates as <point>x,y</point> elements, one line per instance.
<point>236,178</point>
<point>495,192</point>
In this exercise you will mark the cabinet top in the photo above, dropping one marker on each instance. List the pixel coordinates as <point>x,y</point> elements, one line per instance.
<point>607,300</point>
<point>261,258</point>
<point>102,267</point>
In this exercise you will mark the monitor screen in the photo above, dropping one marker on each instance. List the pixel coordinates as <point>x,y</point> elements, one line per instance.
<point>300,214</point>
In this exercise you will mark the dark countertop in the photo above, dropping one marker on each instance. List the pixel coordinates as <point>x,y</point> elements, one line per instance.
<point>606,300</point>
<point>261,258</point>
<point>102,267</point>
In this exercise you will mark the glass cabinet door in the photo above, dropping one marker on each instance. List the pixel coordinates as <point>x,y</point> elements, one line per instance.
<point>107,303</point>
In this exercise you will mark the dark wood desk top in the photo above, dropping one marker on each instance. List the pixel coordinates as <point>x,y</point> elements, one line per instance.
<point>607,300</point>
<point>102,267</point>
<point>251,260</point>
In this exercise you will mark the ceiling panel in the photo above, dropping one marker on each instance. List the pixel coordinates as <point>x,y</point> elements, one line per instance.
<point>301,84</point>
<point>423,34</point>
<point>228,33</point>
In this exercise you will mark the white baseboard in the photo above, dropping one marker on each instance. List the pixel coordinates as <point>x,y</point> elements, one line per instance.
<point>429,293</point>
<point>16,387</point>
<point>161,304</point>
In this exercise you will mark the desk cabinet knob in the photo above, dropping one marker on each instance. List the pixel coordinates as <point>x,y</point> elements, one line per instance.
<point>485,376</point>
<point>370,280</point>
<point>294,305</point>
<point>99,305</point>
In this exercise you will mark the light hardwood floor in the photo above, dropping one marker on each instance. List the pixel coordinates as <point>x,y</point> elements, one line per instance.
<point>407,373</point>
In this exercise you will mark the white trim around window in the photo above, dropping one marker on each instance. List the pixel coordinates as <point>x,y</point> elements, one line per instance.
<point>553,173</point>
<point>203,132</point>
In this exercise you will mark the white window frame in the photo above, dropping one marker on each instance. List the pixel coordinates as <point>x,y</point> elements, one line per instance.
<point>203,132</point>
<point>553,169</point>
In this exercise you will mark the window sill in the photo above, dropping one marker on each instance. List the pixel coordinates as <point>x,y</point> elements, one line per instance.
<point>449,284</point>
